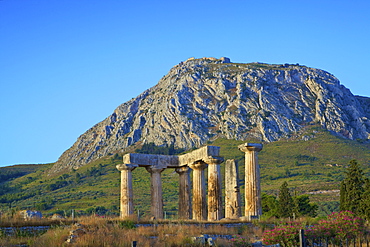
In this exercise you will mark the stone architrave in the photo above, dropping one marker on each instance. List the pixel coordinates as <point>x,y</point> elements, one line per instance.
<point>156,191</point>
<point>215,211</point>
<point>127,207</point>
<point>199,191</point>
<point>253,206</point>
<point>184,193</point>
<point>232,192</point>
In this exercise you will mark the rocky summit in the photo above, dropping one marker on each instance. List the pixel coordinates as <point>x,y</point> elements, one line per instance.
<point>202,99</point>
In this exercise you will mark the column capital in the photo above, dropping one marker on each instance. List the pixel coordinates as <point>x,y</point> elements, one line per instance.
<point>154,169</point>
<point>198,165</point>
<point>247,147</point>
<point>182,169</point>
<point>126,167</point>
<point>213,160</point>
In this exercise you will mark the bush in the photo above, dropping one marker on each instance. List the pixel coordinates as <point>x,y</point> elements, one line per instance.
<point>285,235</point>
<point>240,241</point>
<point>127,224</point>
<point>99,210</point>
<point>57,185</point>
<point>338,226</point>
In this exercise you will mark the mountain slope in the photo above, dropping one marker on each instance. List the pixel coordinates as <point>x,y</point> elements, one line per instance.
<point>203,99</point>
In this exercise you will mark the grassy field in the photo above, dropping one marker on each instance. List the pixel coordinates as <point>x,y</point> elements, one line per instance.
<point>96,231</point>
<point>313,166</point>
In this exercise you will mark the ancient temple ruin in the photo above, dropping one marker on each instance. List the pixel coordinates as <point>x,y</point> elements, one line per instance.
<point>206,203</point>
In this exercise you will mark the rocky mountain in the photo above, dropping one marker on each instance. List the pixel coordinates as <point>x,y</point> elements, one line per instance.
<point>202,99</point>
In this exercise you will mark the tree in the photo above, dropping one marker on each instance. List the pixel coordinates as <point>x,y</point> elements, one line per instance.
<point>269,205</point>
<point>288,206</point>
<point>365,202</point>
<point>352,189</point>
<point>300,206</point>
<point>285,202</point>
<point>99,210</point>
<point>304,207</point>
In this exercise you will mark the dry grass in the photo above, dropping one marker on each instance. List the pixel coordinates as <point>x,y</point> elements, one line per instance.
<point>53,237</point>
<point>18,221</point>
<point>115,232</point>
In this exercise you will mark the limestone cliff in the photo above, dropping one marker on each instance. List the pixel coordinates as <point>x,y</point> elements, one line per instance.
<point>201,99</point>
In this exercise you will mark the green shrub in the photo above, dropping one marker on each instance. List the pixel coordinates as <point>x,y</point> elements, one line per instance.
<point>127,224</point>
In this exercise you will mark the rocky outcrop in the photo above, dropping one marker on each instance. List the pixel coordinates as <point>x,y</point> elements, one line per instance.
<point>201,99</point>
<point>30,214</point>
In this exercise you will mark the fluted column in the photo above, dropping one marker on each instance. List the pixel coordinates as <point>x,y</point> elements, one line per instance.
<point>184,192</point>
<point>156,191</point>
<point>127,206</point>
<point>232,192</point>
<point>253,206</point>
<point>199,191</point>
<point>215,211</point>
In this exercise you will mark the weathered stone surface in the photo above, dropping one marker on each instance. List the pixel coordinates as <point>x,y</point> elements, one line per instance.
<point>201,99</point>
<point>156,160</point>
<point>30,214</point>
<point>199,191</point>
<point>126,202</point>
<point>185,209</point>
<point>57,217</point>
<point>172,161</point>
<point>156,206</point>
<point>232,192</point>
<point>215,209</point>
<point>253,200</point>
<point>199,154</point>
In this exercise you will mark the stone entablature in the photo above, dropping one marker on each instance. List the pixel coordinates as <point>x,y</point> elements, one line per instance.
<point>172,161</point>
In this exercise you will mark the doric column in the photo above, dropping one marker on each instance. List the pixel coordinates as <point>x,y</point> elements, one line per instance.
<point>184,192</point>
<point>215,211</point>
<point>232,192</point>
<point>199,191</point>
<point>127,206</point>
<point>156,191</point>
<point>253,207</point>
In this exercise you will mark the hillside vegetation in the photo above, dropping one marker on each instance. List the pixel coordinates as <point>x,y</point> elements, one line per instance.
<point>312,162</point>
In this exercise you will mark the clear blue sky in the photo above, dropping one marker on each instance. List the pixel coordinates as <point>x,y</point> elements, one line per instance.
<point>65,65</point>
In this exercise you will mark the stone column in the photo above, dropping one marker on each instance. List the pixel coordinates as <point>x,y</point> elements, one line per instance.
<point>232,192</point>
<point>156,191</point>
<point>199,191</point>
<point>127,206</point>
<point>184,192</point>
<point>215,211</point>
<point>253,207</point>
